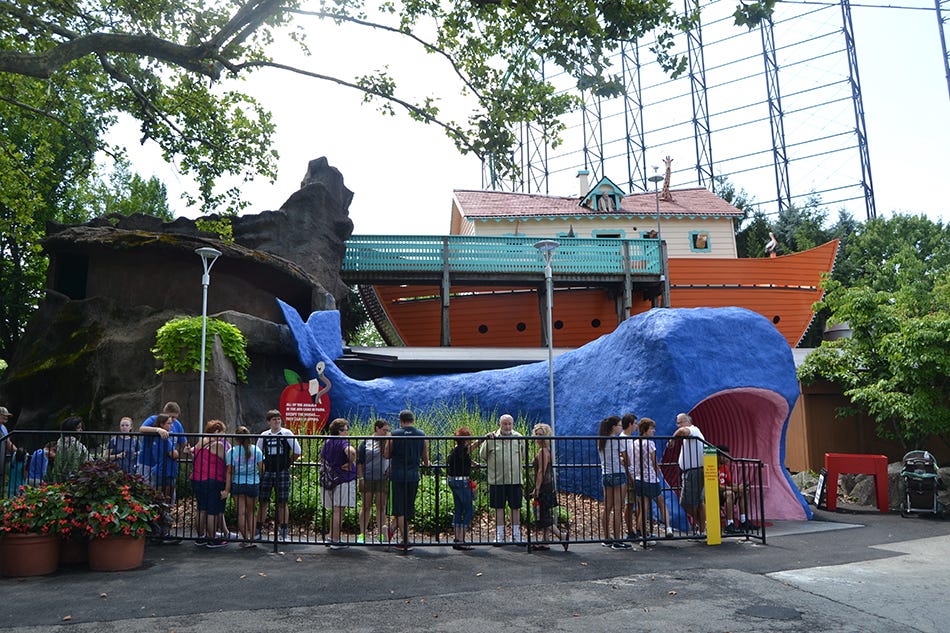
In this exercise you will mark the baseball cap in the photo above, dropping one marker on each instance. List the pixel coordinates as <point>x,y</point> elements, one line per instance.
<point>5,413</point>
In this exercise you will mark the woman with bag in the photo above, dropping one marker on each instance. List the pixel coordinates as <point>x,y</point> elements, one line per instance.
<point>338,477</point>
<point>459,475</point>
<point>543,492</point>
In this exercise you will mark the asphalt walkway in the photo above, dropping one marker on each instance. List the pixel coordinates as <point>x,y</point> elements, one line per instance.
<point>844,572</point>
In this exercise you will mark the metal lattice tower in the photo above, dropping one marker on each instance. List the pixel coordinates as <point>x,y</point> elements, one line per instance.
<point>943,19</point>
<point>593,134</point>
<point>783,193</point>
<point>633,116</point>
<point>858,101</point>
<point>783,107</point>
<point>700,97</point>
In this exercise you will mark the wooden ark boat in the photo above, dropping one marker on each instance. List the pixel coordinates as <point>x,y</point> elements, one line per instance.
<point>483,285</point>
<point>782,289</point>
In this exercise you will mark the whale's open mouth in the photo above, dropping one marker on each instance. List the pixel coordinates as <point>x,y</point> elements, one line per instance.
<point>750,422</point>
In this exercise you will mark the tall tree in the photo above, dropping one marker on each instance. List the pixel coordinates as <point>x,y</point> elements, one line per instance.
<point>895,367</point>
<point>125,192</point>
<point>43,165</point>
<point>161,62</point>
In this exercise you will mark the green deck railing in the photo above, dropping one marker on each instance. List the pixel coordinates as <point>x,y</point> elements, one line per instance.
<point>427,253</point>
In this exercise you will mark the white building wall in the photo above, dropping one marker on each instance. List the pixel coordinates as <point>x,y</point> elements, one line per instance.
<point>676,231</point>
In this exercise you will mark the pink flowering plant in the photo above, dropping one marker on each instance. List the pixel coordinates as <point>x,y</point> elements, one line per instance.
<point>39,510</point>
<point>108,501</point>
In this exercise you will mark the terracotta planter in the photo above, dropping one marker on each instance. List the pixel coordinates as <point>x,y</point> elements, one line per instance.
<point>116,553</point>
<point>74,551</point>
<point>28,554</point>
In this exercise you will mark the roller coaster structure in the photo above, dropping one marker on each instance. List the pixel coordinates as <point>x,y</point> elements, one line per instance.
<point>781,104</point>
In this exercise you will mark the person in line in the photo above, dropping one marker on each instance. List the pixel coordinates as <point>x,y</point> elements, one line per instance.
<point>729,492</point>
<point>281,449</point>
<point>245,463</point>
<point>692,495</point>
<point>459,475</point>
<point>630,509</point>
<point>70,451</point>
<point>151,427</point>
<point>6,445</point>
<point>502,452</point>
<point>372,480</point>
<point>39,464</point>
<point>339,457</point>
<point>612,450</point>
<point>407,450</point>
<point>124,448</point>
<point>165,459</point>
<point>19,463</point>
<point>647,487</point>
<point>543,491</point>
<point>208,479</point>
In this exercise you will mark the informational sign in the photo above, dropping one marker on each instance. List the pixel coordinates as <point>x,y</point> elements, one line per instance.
<point>301,414</point>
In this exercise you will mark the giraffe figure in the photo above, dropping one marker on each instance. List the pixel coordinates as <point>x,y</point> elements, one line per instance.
<point>665,194</point>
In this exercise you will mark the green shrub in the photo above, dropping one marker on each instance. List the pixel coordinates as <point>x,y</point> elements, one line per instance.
<point>178,345</point>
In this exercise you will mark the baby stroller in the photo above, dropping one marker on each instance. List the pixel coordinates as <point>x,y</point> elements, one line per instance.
<point>919,472</point>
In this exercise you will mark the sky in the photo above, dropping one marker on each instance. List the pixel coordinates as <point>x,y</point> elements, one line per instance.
<point>403,172</point>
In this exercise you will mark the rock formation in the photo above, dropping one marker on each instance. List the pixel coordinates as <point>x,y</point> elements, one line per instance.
<point>113,281</point>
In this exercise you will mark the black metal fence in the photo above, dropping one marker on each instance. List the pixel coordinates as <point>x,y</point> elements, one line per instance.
<point>499,483</point>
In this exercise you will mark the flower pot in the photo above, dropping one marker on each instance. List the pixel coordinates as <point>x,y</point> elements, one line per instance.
<point>74,551</point>
<point>116,553</point>
<point>29,554</point>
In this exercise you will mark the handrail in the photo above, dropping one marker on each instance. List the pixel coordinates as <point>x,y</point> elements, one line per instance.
<point>460,253</point>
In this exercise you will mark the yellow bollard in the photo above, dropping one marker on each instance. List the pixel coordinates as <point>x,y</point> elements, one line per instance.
<point>711,485</point>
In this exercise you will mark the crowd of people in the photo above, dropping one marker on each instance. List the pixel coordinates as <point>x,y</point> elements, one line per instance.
<point>382,472</point>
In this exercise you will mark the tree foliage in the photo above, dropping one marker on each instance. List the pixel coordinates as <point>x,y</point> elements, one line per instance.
<point>161,62</point>
<point>43,168</point>
<point>895,296</point>
<point>124,192</point>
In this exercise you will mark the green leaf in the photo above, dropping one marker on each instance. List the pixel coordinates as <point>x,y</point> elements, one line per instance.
<point>291,377</point>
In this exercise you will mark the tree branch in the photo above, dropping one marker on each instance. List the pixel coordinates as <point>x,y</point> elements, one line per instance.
<point>52,117</point>
<point>42,66</point>
<point>456,133</point>
<point>375,25</point>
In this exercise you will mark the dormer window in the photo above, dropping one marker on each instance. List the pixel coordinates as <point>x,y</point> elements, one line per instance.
<point>605,197</point>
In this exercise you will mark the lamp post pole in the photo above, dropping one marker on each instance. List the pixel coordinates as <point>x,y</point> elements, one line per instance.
<point>547,248</point>
<point>655,179</point>
<point>208,257</point>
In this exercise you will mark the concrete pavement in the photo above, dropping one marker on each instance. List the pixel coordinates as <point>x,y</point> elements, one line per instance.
<point>843,572</point>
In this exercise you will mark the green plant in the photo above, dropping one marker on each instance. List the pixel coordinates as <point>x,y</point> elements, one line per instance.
<point>39,510</point>
<point>106,501</point>
<point>178,345</point>
<point>219,225</point>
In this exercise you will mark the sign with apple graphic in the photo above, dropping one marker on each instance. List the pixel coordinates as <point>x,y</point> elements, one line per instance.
<point>305,406</point>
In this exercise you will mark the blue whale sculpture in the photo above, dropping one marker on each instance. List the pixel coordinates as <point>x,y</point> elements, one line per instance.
<point>729,368</point>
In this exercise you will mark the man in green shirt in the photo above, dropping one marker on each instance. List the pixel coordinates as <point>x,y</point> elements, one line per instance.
<point>502,453</point>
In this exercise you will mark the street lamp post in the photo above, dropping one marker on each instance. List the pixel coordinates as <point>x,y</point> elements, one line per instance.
<point>547,248</point>
<point>208,257</point>
<point>655,179</point>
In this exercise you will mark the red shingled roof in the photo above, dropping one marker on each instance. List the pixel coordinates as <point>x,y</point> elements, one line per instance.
<point>501,204</point>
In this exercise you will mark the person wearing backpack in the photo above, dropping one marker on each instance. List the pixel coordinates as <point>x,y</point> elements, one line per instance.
<point>280,449</point>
